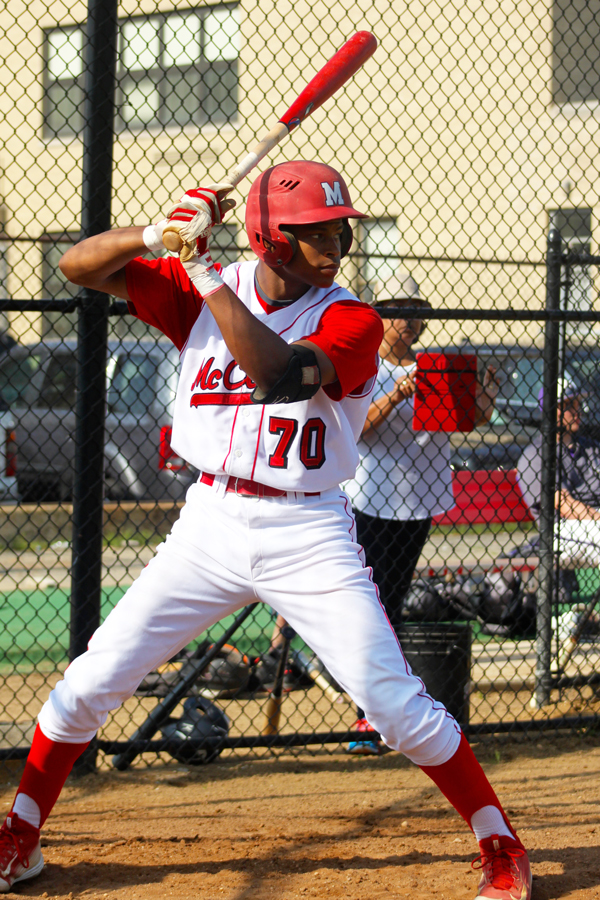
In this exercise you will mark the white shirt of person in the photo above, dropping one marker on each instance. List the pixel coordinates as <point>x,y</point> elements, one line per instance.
<point>402,474</point>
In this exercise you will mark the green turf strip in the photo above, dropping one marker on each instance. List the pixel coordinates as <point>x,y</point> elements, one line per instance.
<point>34,627</point>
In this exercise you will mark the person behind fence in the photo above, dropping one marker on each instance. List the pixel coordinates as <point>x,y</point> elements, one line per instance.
<point>403,477</point>
<point>277,368</point>
<point>577,498</point>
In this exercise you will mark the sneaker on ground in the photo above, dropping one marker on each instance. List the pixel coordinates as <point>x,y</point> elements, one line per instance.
<point>505,872</point>
<point>20,852</point>
<point>364,748</point>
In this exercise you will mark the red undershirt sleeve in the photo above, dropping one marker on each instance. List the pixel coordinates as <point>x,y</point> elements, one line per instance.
<point>350,334</point>
<point>162,295</point>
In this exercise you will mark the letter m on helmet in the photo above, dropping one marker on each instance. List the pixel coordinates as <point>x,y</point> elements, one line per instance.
<point>333,193</point>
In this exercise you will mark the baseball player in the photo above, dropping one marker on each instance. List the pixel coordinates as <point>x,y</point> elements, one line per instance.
<point>278,363</point>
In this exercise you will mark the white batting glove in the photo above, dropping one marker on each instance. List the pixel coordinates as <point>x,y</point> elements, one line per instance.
<point>196,214</point>
<point>201,271</point>
<point>152,236</point>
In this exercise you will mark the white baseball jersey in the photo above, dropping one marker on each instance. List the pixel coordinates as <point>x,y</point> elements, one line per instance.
<point>306,446</point>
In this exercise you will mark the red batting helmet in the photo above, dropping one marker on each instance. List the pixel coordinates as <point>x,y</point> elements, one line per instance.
<point>295,193</point>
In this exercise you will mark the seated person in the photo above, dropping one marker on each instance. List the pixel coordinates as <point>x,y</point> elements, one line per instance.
<point>577,498</point>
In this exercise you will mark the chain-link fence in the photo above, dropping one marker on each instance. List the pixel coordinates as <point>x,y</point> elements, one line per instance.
<point>470,130</point>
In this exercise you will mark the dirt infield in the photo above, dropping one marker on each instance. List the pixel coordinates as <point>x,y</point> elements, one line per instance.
<point>315,826</point>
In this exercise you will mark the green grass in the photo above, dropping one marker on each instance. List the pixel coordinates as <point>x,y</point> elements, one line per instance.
<point>34,628</point>
<point>484,528</point>
<point>589,582</point>
<point>129,534</point>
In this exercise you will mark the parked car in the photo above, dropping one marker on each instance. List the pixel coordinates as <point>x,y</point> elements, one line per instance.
<point>8,456</point>
<point>8,446</point>
<point>38,382</point>
<point>484,461</point>
<point>517,416</point>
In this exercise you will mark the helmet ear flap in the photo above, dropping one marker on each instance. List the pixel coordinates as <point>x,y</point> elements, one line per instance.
<point>346,238</point>
<point>291,241</point>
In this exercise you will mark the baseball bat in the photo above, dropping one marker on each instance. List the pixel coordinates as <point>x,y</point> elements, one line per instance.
<point>273,706</point>
<point>312,669</point>
<point>163,710</point>
<point>336,72</point>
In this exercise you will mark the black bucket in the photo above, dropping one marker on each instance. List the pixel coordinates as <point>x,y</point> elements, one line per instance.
<point>441,656</point>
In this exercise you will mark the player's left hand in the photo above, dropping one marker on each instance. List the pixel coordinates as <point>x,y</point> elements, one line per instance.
<point>194,216</point>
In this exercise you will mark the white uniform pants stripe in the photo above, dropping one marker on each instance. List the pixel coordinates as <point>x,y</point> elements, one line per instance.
<point>299,556</point>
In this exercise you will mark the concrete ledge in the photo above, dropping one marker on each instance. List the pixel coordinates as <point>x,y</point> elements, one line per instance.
<point>52,522</point>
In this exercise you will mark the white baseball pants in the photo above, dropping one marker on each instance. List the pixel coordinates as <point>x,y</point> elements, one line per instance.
<point>578,543</point>
<point>297,554</point>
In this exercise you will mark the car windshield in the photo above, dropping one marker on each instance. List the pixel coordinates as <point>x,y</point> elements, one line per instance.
<point>585,370</point>
<point>520,380</point>
<point>16,373</point>
<point>58,389</point>
<point>133,384</point>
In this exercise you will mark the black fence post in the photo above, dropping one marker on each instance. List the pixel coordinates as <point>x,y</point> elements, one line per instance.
<point>543,673</point>
<point>92,336</point>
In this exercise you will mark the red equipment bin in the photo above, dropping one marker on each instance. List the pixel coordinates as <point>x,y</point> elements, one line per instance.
<point>445,392</point>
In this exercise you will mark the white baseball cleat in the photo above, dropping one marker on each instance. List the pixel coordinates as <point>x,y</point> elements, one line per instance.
<point>505,872</point>
<point>20,852</point>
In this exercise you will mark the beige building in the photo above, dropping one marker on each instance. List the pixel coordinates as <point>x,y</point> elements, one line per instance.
<point>471,124</point>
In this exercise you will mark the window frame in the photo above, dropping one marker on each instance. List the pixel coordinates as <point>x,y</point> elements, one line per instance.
<point>571,85</point>
<point>208,109</point>
<point>576,235</point>
<point>50,241</point>
<point>366,283</point>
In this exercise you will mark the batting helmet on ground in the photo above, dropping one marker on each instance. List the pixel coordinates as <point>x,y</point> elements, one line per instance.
<point>185,737</point>
<point>295,193</point>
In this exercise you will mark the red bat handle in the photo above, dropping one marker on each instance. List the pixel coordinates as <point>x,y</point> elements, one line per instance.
<point>332,76</point>
<point>326,82</point>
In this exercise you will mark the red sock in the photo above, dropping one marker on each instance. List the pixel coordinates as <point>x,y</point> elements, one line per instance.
<point>463,782</point>
<point>46,770</point>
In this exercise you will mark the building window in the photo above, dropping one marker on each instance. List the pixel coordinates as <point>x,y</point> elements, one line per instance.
<point>575,226</point>
<point>63,95</point>
<point>56,287</point>
<point>172,70</point>
<point>4,322</point>
<point>575,51</point>
<point>379,243</point>
<point>3,270</point>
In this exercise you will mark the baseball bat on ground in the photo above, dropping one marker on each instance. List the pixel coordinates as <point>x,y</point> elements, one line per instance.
<point>273,705</point>
<point>314,672</point>
<point>163,710</point>
<point>336,72</point>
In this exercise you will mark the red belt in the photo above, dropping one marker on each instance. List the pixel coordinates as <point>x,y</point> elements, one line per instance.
<point>251,488</point>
